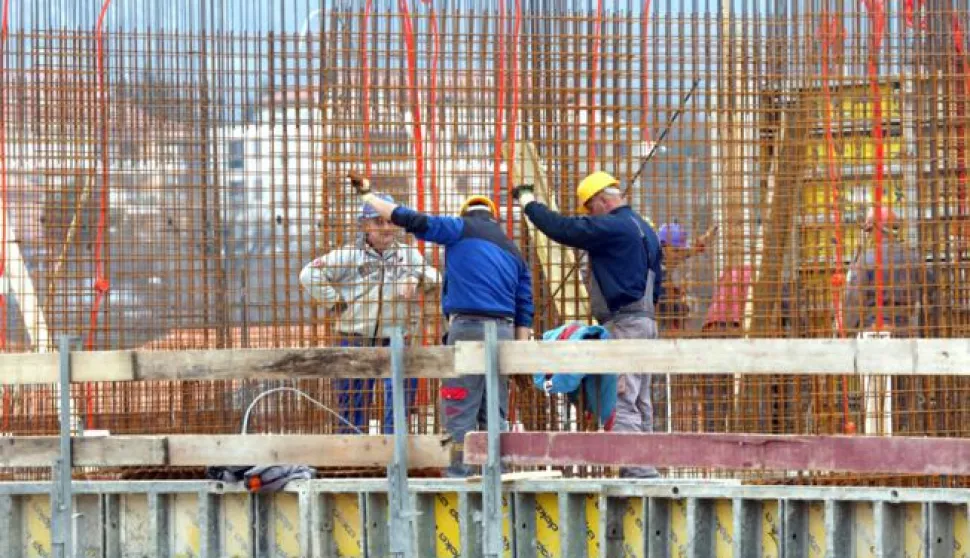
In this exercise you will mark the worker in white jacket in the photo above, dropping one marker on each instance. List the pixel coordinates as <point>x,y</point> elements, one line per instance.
<point>372,286</point>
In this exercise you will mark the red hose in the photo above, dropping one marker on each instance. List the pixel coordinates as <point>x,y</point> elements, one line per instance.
<point>594,68</point>
<point>4,31</point>
<point>878,17</point>
<point>961,107</point>
<point>365,85</point>
<point>101,284</point>
<point>514,116</point>
<point>644,73</point>
<point>830,33</point>
<point>499,100</point>
<point>415,103</point>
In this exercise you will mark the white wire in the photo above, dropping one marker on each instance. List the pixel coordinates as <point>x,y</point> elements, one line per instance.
<point>249,409</point>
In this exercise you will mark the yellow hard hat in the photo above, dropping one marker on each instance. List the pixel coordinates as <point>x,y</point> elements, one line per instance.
<point>478,200</point>
<point>592,185</point>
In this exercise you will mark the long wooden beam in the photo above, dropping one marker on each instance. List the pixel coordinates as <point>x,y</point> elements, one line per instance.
<point>666,356</point>
<point>224,364</point>
<point>848,454</point>
<point>424,451</point>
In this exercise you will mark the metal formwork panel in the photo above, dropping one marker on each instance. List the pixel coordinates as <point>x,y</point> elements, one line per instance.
<point>569,518</point>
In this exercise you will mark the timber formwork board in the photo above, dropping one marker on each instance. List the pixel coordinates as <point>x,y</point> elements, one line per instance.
<point>568,517</point>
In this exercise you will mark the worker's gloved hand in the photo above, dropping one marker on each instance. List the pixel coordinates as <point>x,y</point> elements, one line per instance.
<point>360,184</point>
<point>524,194</point>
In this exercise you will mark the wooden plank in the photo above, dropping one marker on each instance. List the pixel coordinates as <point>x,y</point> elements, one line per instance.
<point>725,356</point>
<point>109,451</point>
<point>558,263</point>
<point>660,356</point>
<point>214,364</point>
<point>848,454</point>
<point>425,451</point>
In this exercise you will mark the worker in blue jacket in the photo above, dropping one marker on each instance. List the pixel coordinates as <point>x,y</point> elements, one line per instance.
<point>626,261</point>
<point>485,279</point>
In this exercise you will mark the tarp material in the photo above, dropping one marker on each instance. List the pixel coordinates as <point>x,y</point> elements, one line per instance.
<point>596,391</point>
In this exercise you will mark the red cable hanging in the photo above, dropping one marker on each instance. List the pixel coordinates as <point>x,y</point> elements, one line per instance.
<point>499,102</point>
<point>101,284</point>
<point>365,85</point>
<point>432,114</point>
<point>830,32</point>
<point>961,107</point>
<point>878,17</point>
<point>594,68</point>
<point>4,31</point>
<point>644,73</point>
<point>514,114</point>
<point>415,102</point>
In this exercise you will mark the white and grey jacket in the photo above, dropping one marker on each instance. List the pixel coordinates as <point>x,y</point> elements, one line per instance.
<point>370,284</point>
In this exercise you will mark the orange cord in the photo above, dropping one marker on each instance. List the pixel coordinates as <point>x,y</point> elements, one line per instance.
<point>365,86</point>
<point>4,31</point>
<point>594,68</point>
<point>499,104</point>
<point>830,32</point>
<point>961,106</point>
<point>514,115</point>
<point>878,16</point>
<point>644,73</point>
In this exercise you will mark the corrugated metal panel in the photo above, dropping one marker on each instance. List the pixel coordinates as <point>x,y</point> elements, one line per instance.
<point>570,518</point>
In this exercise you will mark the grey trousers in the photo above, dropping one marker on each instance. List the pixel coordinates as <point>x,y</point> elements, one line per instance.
<point>634,410</point>
<point>463,399</point>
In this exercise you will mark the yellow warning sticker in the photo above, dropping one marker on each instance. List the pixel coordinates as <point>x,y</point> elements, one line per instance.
<point>961,532</point>
<point>633,528</point>
<point>678,528</point>
<point>447,533</point>
<point>346,526</point>
<point>723,528</point>
<point>547,525</point>
<point>592,525</point>
<point>37,525</point>
<point>287,514</point>
<point>239,529</point>
<point>816,530</point>
<point>865,530</point>
<point>770,530</point>
<point>913,531</point>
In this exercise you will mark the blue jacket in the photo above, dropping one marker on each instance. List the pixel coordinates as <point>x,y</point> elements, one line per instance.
<point>484,271</point>
<point>619,255</point>
<point>599,390</point>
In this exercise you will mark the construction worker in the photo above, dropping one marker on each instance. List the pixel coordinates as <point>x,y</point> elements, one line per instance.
<point>626,259</point>
<point>673,309</point>
<point>905,281</point>
<point>905,290</point>
<point>370,286</point>
<point>485,280</point>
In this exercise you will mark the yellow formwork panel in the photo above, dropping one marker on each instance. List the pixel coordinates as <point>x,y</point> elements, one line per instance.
<point>633,528</point>
<point>816,530</point>
<point>864,533</point>
<point>286,508</point>
<point>593,525</point>
<point>346,526</point>
<point>238,541</point>
<point>961,534</point>
<point>447,528</point>
<point>913,531</point>
<point>135,525</point>
<point>37,527</point>
<point>770,530</point>
<point>185,525</point>
<point>547,525</point>
<point>723,529</point>
<point>678,528</point>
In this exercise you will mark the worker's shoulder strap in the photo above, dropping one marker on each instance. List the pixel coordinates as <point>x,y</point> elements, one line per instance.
<point>643,238</point>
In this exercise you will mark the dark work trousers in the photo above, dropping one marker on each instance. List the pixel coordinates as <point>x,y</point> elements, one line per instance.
<point>355,395</point>
<point>463,399</point>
